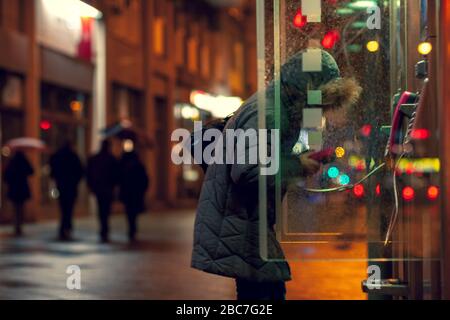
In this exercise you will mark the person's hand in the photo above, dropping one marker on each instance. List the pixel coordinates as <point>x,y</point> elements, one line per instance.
<point>310,166</point>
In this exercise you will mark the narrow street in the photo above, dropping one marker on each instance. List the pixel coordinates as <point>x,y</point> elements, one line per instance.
<point>158,267</point>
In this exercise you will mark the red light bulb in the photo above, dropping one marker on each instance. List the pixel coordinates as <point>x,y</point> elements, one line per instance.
<point>378,190</point>
<point>420,134</point>
<point>358,190</point>
<point>45,125</point>
<point>432,193</point>
<point>408,193</point>
<point>300,20</point>
<point>366,130</point>
<point>330,39</point>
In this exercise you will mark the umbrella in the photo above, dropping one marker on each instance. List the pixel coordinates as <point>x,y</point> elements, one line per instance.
<point>26,143</point>
<point>125,130</point>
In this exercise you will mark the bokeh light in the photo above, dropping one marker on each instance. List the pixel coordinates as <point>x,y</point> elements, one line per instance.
<point>333,172</point>
<point>300,20</point>
<point>373,46</point>
<point>344,180</point>
<point>45,125</point>
<point>378,190</point>
<point>358,190</point>
<point>408,193</point>
<point>425,48</point>
<point>340,152</point>
<point>432,192</point>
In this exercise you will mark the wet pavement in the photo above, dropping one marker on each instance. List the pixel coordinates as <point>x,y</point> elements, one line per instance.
<point>157,267</point>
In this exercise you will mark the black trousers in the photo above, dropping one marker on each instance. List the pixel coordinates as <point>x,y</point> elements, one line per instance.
<point>132,213</point>
<point>18,221</point>
<point>66,204</point>
<point>104,203</point>
<point>251,290</point>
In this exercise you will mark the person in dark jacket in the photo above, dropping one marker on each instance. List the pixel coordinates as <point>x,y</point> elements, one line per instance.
<point>133,184</point>
<point>67,171</point>
<point>16,177</point>
<point>227,228</point>
<point>102,178</point>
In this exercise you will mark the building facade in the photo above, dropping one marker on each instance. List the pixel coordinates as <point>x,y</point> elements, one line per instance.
<point>66,75</point>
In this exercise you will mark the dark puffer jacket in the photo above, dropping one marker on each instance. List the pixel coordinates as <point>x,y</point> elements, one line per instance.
<point>226,237</point>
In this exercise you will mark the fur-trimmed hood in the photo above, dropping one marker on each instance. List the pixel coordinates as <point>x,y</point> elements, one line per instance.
<point>336,92</point>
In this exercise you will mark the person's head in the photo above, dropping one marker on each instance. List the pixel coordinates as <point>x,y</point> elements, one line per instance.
<point>19,156</point>
<point>66,145</point>
<point>130,158</point>
<point>106,146</point>
<point>324,81</point>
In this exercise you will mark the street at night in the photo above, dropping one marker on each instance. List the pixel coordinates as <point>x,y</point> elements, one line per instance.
<point>232,157</point>
<point>156,267</point>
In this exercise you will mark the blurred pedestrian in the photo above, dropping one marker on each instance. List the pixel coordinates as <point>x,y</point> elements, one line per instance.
<point>67,171</point>
<point>16,177</point>
<point>102,178</point>
<point>133,184</point>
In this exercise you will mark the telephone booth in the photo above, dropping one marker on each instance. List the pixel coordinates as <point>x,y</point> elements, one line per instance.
<point>379,201</point>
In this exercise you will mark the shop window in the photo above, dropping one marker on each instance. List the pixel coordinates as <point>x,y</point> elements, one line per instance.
<point>63,101</point>
<point>126,20</point>
<point>219,57</point>
<point>12,92</point>
<point>64,117</point>
<point>11,127</point>
<point>192,47</point>
<point>180,47</point>
<point>159,36</point>
<point>12,14</point>
<point>1,13</point>
<point>236,76</point>
<point>128,104</point>
<point>205,61</point>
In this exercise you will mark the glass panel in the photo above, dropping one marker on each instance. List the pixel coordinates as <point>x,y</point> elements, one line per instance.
<point>375,195</point>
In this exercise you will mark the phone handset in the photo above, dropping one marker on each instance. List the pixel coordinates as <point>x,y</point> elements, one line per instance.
<point>409,105</point>
<point>405,106</point>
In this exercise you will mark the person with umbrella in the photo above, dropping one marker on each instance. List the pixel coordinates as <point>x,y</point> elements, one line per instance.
<point>133,178</point>
<point>17,172</point>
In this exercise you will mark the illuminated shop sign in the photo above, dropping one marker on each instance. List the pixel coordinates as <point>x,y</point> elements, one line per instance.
<point>219,106</point>
<point>408,166</point>
<point>64,24</point>
<point>186,111</point>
